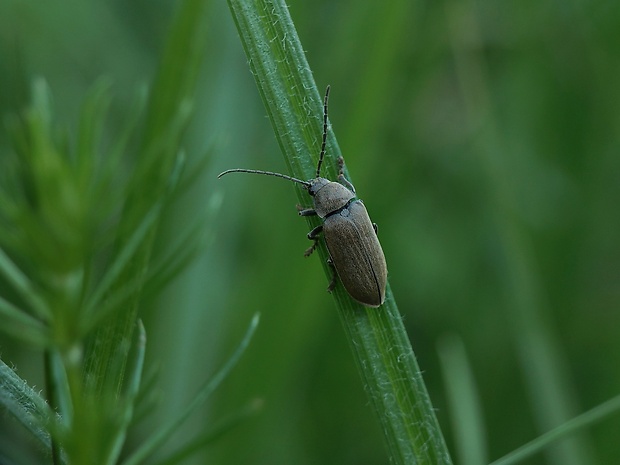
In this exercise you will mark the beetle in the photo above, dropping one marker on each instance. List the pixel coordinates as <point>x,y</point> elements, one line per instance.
<point>355,253</point>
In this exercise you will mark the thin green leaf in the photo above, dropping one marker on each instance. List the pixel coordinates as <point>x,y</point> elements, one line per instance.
<point>160,273</point>
<point>60,400</point>
<point>109,171</point>
<point>165,270</point>
<point>25,405</point>
<point>185,248</point>
<point>543,360</point>
<point>20,325</point>
<point>178,71</point>
<point>58,389</point>
<point>23,286</point>
<point>91,127</point>
<point>121,261</point>
<point>96,312</point>
<point>586,419</point>
<point>163,434</point>
<point>167,116</point>
<point>114,302</point>
<point>133,387</point>
<point>220,428</point>
<point>194,172</point>
<point>285,82</point>
<point>177,171</point>
<point>464,406</point>
<point>149,396</point>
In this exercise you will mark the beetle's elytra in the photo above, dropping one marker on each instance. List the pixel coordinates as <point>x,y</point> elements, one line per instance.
<point>350,236</point>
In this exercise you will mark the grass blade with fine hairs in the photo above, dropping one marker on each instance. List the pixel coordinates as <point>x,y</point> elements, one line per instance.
<point>380,345</point>
<point>25,405</point>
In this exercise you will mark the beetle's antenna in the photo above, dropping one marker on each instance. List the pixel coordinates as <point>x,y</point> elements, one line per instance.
<point>268,173</point>
<point>322,154</point>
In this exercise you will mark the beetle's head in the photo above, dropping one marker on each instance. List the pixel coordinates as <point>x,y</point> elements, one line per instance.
<point>316,185</point>
<point>329,196</point>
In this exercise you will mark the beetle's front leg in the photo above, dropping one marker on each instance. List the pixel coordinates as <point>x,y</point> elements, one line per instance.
<point>341,179</point>
<point>306,211</point>
<point>313,236</point>
<point>332,283</point>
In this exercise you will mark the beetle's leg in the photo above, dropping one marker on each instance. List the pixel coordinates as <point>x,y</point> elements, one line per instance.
<point>376,228</point>
<point>332,283</point>
<point>341,179</point>
<point>341,165</point>
<point>313,236</point>
<point>303,211</point>
<point>307,212</point>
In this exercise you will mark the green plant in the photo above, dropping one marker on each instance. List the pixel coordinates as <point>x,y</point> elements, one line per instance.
<point>429,100</point>
<point>380,345</point>
<point>77,262</point>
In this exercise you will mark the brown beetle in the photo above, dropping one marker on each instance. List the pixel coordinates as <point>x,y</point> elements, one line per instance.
<point>350,236</point>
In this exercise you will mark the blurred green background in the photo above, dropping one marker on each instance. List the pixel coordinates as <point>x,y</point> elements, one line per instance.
<point>484,138</point>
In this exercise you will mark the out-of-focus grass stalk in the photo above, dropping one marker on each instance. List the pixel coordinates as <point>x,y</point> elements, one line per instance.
<point>167,115</point>
<point>544,367</point>
<point>76,248</point>
<point>463,401</point>
<point>566,429</point>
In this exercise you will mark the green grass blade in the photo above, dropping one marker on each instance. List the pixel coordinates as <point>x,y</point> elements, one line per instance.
<point>25,405</point>
<point>160,436</point>
<point>179,67</point>
<point>59,398</point>
<point>285,82</point>
<point>463,400</point>
<point>168,114</point>
<point>577,424</point>
<point>377,336</point>
<point>543,362</point>
<point>22,285</point>
<point>96,312</point>
<point>394,383</point>
<point>207,437</point>
<point>120,264</point>
<point>133,387</point>
<point>92,119</point>
<point>186,246</point>
<point>20,325</point>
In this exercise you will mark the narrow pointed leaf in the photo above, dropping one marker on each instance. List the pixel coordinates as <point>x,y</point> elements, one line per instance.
<point>24,404</point>
<point>129,398</point>
<point>20,325</point>
<point>163,434</point>
<point>22,285</point>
